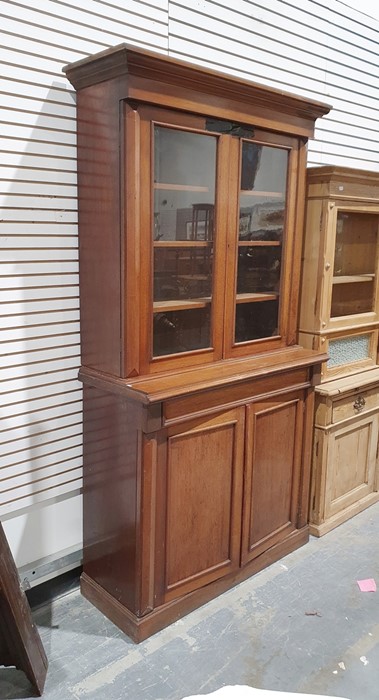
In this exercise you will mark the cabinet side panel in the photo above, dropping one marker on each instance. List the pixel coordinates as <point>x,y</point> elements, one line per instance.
<point>312,268</point>
<point>111,459</point>
<point>99,226</point>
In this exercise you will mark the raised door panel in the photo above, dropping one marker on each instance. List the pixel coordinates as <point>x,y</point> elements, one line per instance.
<point>272,473</point>
<point>351,465</point>
<point>204,467</point>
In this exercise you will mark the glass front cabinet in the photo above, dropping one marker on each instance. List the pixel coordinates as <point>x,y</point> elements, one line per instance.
<point>198,399</point>
<point>339,298</point>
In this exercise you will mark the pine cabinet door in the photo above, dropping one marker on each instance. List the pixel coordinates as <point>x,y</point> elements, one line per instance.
<point>351,464</point>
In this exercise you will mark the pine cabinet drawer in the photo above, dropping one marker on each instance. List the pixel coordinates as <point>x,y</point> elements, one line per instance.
<point>355,404</point>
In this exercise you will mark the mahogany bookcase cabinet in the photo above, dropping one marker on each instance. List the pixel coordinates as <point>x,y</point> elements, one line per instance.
<point>198,403</point>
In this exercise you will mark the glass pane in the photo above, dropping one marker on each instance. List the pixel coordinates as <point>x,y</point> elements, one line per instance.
<point>352,298</point>
<point>262,205</point>
<point>256,320</point>
<point>263,192</point>
<point>184,185</point>
<point>354,263</point>
<point>183,235</point>
<point>258,269</point>
<point>343,351</point>
<point>182,273</point>
<point>356,243</point>
<point>181,331</point>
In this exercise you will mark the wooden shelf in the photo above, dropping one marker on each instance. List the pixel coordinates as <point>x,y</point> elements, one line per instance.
<point>183,188</point>
<point>198,278</point>
<point>258,193</point>
<point>258,244</point>
<point>257,296</point>
<point>182,244</point>
<point>348,279</point>
<point>180,304</point>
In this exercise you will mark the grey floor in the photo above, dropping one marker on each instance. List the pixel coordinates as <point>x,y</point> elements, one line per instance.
<point>302,625</point>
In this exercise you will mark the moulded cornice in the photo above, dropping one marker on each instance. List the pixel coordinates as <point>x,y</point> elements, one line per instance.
<point>135,63</point>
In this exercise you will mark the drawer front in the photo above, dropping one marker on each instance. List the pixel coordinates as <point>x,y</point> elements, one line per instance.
<point>226,396</point>
<point>355,404</point>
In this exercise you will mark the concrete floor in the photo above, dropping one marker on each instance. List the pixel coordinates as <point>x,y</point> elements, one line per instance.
<point>302,625</point>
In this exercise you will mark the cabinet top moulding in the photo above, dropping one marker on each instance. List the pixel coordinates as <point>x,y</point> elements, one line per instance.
<point>342,184</point>
<point>173,83</point>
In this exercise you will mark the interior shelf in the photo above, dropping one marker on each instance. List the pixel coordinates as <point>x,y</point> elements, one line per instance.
<point>182,244</point>
<point>347,279</point>
<point>256,296</point>
<point>256,244</point>
<point>260,193</point>
<point>184,188</point>
<point>180,304</point>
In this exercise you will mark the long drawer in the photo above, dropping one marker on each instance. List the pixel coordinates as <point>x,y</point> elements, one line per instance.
<point>355,404</point>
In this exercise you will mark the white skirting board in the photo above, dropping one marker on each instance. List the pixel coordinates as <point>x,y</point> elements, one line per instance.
<point>46,540</point>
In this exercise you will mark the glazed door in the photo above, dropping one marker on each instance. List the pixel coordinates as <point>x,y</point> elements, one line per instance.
<point>210,252</point>
<point>353,250</point>
<point>261,261</point>
<point>183,229</point>
<point>274,435</point>
<point>199,514</point>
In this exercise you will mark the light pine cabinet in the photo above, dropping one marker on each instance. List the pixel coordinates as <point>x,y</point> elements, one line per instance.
<point>339,314</point>
<point>198,401</point>
<point>345,459</point>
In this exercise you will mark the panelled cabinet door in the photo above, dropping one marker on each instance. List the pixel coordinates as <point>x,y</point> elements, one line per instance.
<point>272,472</point>
<point>351,464</point>
<point>201,492</point>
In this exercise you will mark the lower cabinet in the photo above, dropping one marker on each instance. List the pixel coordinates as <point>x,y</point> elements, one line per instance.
<point>345,467</point>
<point>179,509</point>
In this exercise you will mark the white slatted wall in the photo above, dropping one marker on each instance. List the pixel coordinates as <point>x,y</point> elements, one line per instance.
<point>40,398</point>
<point>317,50</point>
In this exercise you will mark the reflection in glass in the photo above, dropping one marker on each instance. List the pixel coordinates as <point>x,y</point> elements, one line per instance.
<point>263,192</point>
<point>181,331</point>
<point>256,320</point>
<point>184,185</point>
<point>182,273</point>
<point>261,237</point>
<point>258,269</point>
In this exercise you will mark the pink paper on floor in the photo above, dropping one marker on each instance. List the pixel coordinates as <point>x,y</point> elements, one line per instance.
<point>367,585</point>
